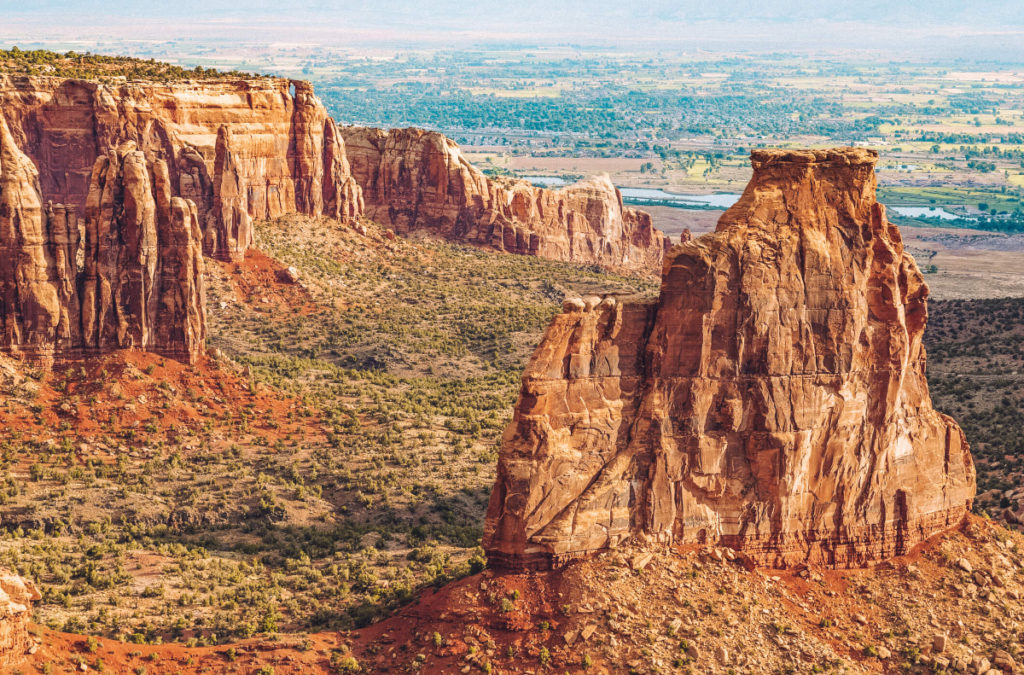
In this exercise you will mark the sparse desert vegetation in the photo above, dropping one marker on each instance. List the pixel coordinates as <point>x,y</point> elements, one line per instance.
<point>976,374</point>
<point>337,453</point>
<point>335,456</point>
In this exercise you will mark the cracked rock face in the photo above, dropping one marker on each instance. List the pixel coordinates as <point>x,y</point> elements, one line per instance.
<point>240,150</point>
<point>772,399</point>
<point>418,181</point>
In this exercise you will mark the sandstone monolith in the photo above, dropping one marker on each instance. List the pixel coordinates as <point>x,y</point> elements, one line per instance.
<point>772,399</point>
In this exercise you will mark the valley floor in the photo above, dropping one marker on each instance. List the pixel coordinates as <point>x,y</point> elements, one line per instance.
<point>953,605</point>
<point>331,462</point>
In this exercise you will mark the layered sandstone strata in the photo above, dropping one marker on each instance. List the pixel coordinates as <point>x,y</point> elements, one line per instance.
<point>772,399</point>
<point>128,275</point>
<point>418,181</point>
<point>16,598</point>
<point>240,150</point>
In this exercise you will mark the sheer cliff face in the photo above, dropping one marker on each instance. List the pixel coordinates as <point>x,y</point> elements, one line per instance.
<point>240,150</point>
<point>128,275</point>
<point>773,399</point>
<point>247,150</point>
<point>415,180</point>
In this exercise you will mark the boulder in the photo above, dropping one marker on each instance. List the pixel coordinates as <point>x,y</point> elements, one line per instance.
<point>289,275</point>
<point>572,304</point>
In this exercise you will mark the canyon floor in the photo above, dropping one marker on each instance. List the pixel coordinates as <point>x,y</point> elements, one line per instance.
<point>953,605</point>
<point>329,464</point>
<point>333,455</point>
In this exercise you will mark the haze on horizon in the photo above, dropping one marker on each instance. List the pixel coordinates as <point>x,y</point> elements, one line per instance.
<point>983,30</point>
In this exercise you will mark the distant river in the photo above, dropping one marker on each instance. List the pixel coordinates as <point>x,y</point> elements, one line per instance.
<point>724,200</point>
<point>925,212</point>
<point>720,200</point>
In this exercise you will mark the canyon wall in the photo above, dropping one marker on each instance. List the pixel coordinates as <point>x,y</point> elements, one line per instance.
<point>418,181</point>
<point>16,598</point>
<point>127,275</point>
<point>110,188</point>
<point>245,150</point>
<point>772,399</point>
<point>240,150</point>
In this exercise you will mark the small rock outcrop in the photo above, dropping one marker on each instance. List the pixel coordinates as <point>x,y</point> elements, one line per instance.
<point>16,598</point>
<point>128,275</point>
<point>772,399</point>
<point>418,181</point>
<point>240,150</point>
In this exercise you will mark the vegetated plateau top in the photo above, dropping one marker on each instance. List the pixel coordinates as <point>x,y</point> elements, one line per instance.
<point>89,66</point>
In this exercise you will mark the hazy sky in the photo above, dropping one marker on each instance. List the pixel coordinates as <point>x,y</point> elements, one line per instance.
<point>985,28</point>
<point>531,12</point>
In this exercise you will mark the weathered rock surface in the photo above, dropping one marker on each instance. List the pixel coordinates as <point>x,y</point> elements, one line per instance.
<point>30,308</point>
<point>418,181</point>
<point>772,400</point>
<point>129,276</point>
<point>143,277</point>
<point>16,598</point>
<point>246,150</point>
<point>279,153</point>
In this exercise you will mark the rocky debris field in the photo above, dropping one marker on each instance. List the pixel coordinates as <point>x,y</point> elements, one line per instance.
<point>953,605</point>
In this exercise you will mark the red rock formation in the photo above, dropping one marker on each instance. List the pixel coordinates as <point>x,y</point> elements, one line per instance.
<point>285,155</point>
<point>180,329</point>
<point>143,279</point>
<point>342,198</point>
<point>16,598</point>
<point>133,281</point>
<point>30,303</point>
<point>233,234</point>
<point>416,180</point>
<point>773,399</point>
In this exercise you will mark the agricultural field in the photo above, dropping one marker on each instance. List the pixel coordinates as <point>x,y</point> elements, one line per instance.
<point>687,123</point>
